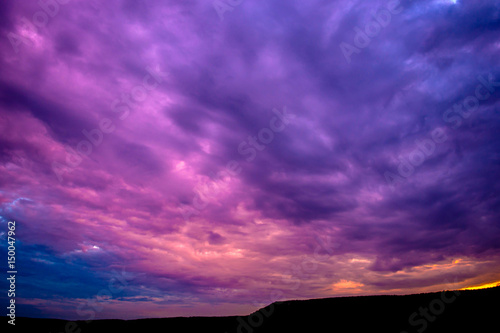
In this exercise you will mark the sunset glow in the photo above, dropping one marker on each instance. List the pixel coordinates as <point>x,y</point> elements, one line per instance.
<point>483,286</point>
<point>171,158</point>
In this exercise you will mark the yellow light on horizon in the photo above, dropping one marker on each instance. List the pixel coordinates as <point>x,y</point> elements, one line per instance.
<point>483,286</point>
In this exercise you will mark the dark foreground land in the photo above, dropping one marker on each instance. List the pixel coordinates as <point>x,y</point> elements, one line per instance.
<point>451,311</point>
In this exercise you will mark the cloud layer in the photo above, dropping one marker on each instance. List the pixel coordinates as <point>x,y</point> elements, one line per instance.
<point>226,163</point>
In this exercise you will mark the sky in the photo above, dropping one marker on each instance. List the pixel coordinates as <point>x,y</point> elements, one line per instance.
<point>206,158</point>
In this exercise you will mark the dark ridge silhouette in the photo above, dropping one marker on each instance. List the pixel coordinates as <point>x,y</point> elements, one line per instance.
<point>450,311</point>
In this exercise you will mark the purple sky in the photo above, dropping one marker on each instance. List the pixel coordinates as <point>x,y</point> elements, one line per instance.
<point>226,156</point>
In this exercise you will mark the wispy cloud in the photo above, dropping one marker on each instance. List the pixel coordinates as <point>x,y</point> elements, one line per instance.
<point>123,204</point>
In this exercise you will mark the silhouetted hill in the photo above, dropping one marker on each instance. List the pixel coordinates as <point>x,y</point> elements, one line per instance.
<point>451,311</point>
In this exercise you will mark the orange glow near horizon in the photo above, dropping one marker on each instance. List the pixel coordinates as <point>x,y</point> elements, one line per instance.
<point>483,286</point>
